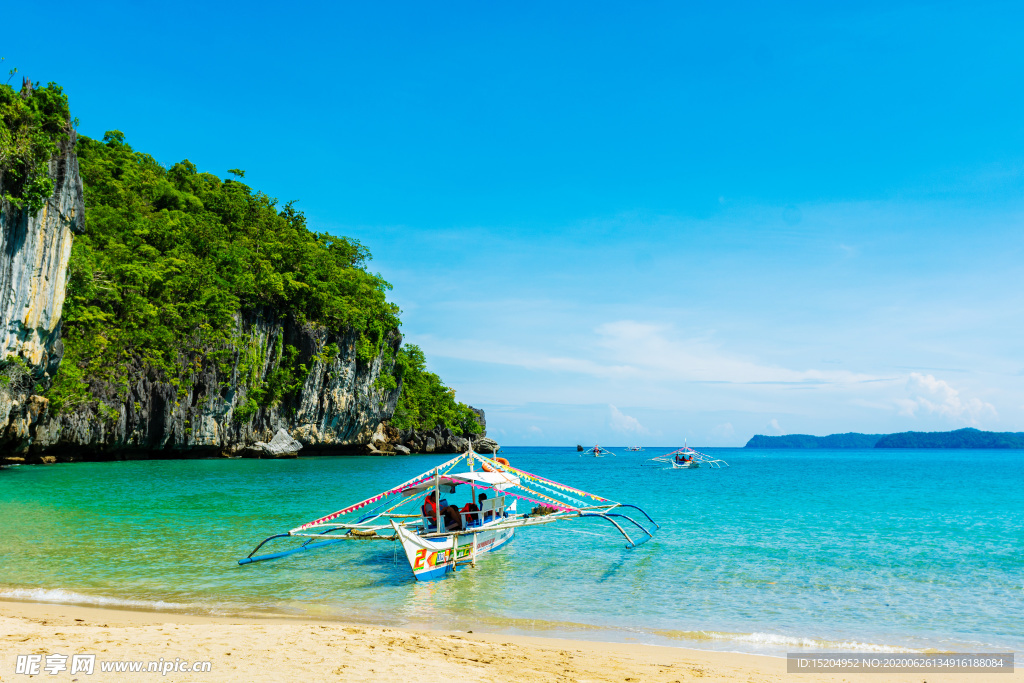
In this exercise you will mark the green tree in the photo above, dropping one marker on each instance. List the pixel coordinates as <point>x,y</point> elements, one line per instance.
<point>33,125</point>
<point>425,401</point>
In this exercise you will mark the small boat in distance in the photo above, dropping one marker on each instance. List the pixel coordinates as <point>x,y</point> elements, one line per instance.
<point>441,536</point>
<point>687,458</point>
<point>598,452</point>
<point>634,449</point>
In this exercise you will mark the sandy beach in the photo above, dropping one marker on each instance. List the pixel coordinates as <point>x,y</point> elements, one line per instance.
<point>248,649</point>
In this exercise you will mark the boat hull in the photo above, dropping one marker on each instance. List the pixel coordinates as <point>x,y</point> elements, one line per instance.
<point>432,558</point>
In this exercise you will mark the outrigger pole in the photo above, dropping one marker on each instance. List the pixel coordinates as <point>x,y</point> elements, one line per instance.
<point>437,499</point>
<point>557,501</point>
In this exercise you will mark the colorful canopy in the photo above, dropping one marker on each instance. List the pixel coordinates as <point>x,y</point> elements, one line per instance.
<point>498,480</point>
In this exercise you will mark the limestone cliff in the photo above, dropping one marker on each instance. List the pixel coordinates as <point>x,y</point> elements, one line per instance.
<point>266,369</point>
<point>440,439</point>
<point>34,253</point>
<point>340,403</point>
<point>339,406</point>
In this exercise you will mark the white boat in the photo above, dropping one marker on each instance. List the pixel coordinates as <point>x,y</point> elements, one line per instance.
<point>435,540</point>
<point>687,458</point>
<point>597,452</point>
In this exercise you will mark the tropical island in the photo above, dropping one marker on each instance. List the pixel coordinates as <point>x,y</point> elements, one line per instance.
<point>960,438</point>
<point>179,314</point>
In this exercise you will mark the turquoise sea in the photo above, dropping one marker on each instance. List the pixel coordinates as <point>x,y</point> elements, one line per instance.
<point>783,550</point>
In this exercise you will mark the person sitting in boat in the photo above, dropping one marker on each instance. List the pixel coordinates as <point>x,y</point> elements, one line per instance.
<point>488,516</point>
<point>452,518</point>
<point>471,507</point>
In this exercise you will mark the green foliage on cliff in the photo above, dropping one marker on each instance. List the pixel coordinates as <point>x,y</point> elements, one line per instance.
<point>33,124</point>
<point>425,402</point>
<point>171,255</point>
<point>15,375</point>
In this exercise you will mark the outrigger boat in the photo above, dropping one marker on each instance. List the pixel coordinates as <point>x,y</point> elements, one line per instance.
<point>434,543</point>
<point>687,458</point>
<point>634,449</point>
<point>597,452</point>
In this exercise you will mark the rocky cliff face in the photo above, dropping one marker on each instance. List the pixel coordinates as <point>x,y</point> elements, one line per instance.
<point>340,404</point>
<point>388,440</point>
<point>34,253</point>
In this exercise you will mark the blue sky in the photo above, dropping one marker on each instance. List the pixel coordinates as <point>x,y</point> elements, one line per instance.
<point>621,222</point>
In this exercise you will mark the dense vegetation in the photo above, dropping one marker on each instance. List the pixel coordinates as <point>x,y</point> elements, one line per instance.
<point>171,255</point>
<point>961,438</point>
<point>425,401</point>
<point>33,124</point>
<point>848,440</point>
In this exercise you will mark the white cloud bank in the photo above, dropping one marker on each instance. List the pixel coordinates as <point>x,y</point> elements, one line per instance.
<point>663,374</point>
<point>623,423</point>
<point>936,396</point>
<point>632,350</point>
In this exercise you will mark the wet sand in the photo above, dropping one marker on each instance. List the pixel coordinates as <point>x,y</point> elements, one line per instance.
<point>278,649</point>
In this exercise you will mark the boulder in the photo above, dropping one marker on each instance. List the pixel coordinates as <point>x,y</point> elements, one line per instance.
<point>485,445</point>
<point>402,450</point>
<point>281,446</point>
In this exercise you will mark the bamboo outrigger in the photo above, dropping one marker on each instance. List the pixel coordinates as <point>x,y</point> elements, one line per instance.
<point>687,458</point>
<point>438,540</point>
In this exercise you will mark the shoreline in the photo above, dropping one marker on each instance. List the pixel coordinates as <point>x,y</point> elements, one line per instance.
<point>769,644</point>
<point>268,648</point>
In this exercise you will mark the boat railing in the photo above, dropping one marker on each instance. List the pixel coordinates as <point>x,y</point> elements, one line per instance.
<point>508,523</point>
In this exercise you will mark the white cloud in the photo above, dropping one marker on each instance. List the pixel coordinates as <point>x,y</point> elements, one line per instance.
<point>724,431</point>
<point>621,422</point>
<point>657,352</point>
<point>636,351</point>
<point>656,366</point>
<point>932,395</point>
<point>489,351</point>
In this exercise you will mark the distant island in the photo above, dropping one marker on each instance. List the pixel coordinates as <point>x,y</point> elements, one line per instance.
<point>961,438</point>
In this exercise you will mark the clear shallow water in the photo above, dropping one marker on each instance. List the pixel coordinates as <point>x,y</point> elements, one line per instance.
<point>784,549</point>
